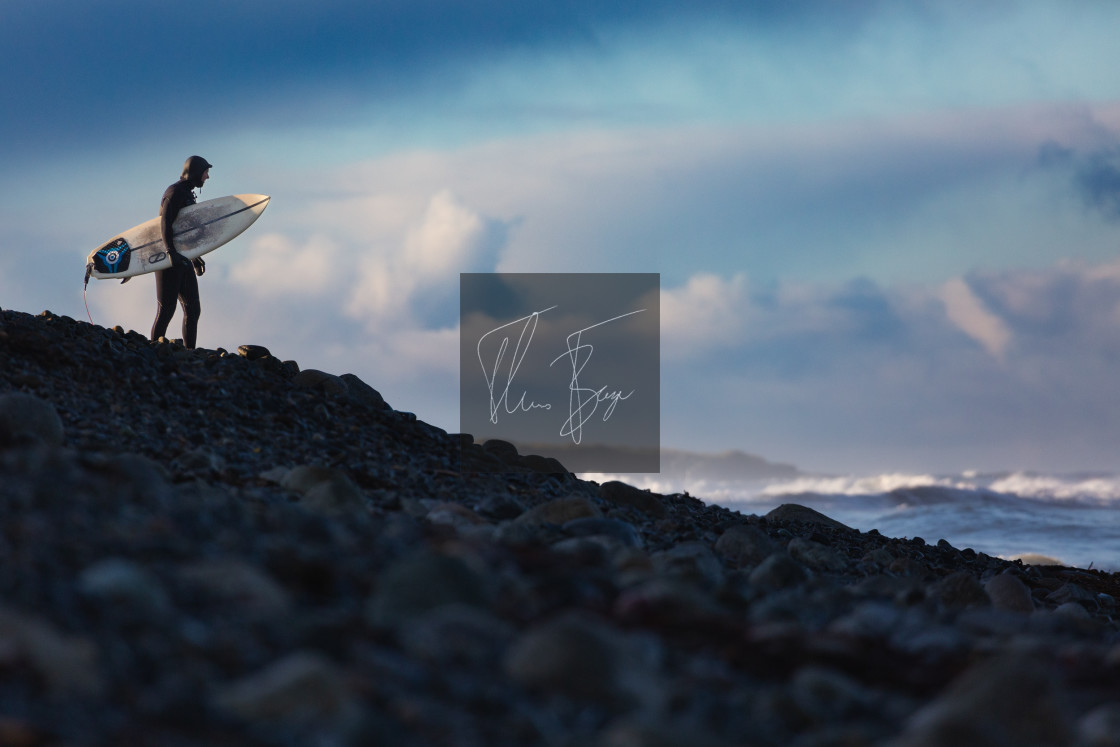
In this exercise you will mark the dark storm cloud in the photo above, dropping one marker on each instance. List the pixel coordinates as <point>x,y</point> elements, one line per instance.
<point>1099,181</point>
<point>113,71</point>
<point>1096,175</point>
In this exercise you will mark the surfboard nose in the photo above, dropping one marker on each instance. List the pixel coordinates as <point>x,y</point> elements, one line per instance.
<point>257,202</point>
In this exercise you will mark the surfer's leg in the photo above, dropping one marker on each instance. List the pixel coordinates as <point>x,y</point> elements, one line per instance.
<point>192,308</point>
<point>167,287</point>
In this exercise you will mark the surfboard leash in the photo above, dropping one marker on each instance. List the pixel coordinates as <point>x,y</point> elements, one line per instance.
<point>89,269</point>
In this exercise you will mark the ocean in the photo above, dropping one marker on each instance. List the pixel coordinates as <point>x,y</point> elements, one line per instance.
<point>1072,520</point>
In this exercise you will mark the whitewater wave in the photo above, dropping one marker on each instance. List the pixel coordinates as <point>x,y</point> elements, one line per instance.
<point>1011,514</point>
<point>1086,489</point>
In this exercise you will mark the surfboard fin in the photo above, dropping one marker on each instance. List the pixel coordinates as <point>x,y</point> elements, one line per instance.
<point>126,280</point>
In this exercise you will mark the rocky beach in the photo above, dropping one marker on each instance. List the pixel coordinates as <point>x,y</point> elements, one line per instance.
<point>210,547</point>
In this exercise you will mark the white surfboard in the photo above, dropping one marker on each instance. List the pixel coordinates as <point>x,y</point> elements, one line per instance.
<point>199,229</point>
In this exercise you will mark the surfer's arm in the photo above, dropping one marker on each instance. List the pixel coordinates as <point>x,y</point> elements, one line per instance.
<point>169,211</point>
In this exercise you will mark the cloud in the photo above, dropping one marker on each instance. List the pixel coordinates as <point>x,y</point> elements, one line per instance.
<point>707,312</point>
<point>1093,169</point>
<point>861,376</point>
<point>1099,180</point>
<point>276,265</point>
<point>968,312</point>
<point>418,282</point>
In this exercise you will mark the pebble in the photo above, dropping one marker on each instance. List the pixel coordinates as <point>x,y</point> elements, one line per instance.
<point>242,587</point>
<point>1003,702</point>
<point>561,511</point>
<point>27,420</point>
<point>691,562</point>
<point>619,532</point>
<point>815,555</point>
<point>779,571</point>
<point>302,686</point>
<point>745,545</point>
<point>125,584</point>
<point>419,583</point>
<point>310,378</point>
<point>68,664</point>
<point>1100,727</point>
<point>1008,593</point>
<point>324,489</point>
<point>958,591</point>
<point>458,634</point>
<point>582,657</point>
<point>621,494</point>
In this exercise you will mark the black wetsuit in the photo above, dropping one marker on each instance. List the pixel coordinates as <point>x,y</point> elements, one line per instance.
<point>179,281</point>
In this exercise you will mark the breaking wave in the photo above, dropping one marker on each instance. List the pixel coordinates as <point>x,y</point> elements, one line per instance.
<point>1072,518</point>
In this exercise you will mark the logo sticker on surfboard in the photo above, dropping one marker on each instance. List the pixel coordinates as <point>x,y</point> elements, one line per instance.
<point>113,257</point>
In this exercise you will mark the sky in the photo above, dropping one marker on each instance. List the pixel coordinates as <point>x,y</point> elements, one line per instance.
<point>887,232</point>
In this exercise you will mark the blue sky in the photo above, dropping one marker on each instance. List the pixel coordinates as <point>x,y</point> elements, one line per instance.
<point>887,231</point>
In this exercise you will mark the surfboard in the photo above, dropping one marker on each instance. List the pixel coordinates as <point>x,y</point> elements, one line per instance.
<point>199,229</point>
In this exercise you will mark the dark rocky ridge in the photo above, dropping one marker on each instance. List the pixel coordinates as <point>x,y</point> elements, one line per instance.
<point>199,547</point>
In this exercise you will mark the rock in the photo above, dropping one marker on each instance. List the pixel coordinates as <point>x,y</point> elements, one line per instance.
<point>276,474</point>
<point>67,664</point>
<point>544,465</point>
<point>829,695</point>
<point>1008,593</point>
<point>1100,727</point>
<point>303,686</point>
<point>26,420</point>
<point>692,562</point>
<point>1070,593</point>
<point>794,513</point>
<point>253,352</point>
<point>500,506</point>
<point>665,603</point>
<point>779,571</point>
<point>124,583</point>
<point>503,450</point>
<point>1004,702</point>
<point>1072,611</point>
<point>621,532</point>
<point>880,556</point>
<point>959,591</point>
<point>560,511</point>
<point>745,545</point>
<point>580,656</point>
<point>200,460</point>
<point>458,634</point>
<point>249,590</point>
<point>360,390</point>
<point>310,378</point>
<point>324,488</point>
<point>815,555</point>
<point>869,620</point>
<point>621,494</point>
<point>419,583</point>
<point>453,514</point>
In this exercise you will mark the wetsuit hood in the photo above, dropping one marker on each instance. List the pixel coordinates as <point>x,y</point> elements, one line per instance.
<point>193,170</point>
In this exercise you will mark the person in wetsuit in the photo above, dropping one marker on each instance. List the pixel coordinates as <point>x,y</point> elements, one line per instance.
<point>180,281</point>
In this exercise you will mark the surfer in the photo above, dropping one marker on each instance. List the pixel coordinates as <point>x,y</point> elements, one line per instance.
<point>180,281</point>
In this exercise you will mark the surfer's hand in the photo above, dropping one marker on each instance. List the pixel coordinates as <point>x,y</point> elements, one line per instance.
<point>199,266</point>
